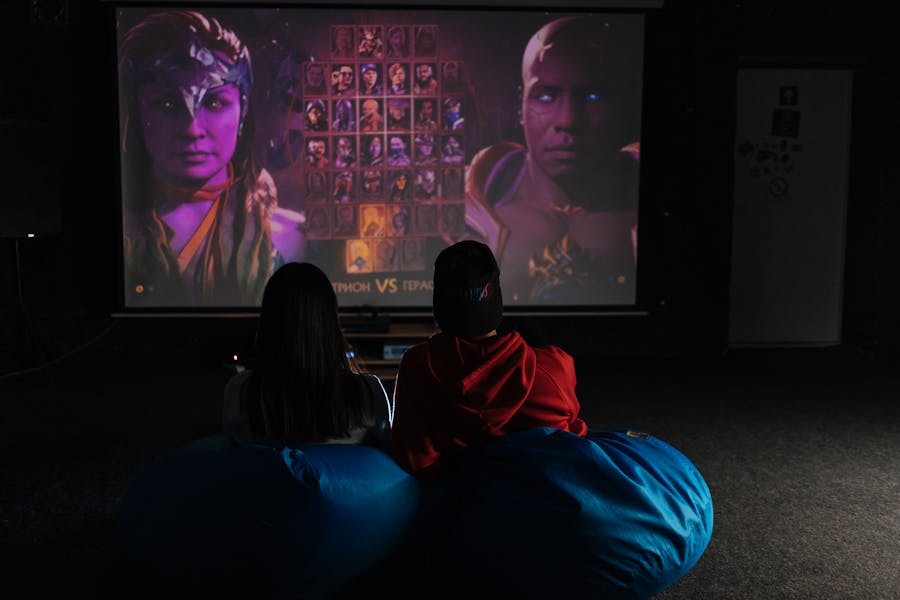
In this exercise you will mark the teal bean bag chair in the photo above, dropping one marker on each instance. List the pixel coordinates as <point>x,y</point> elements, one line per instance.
<point>544,513</point>
<point>215,520</point>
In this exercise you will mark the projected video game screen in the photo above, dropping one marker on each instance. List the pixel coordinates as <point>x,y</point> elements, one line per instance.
<point>366,141</point>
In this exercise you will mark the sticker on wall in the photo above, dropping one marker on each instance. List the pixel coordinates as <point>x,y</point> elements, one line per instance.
<point>786,123</point>
<point>787,95</point>
<point>770,160</point>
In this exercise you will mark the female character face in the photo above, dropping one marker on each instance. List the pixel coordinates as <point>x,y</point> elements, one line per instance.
<point>398,76</point>
<point>185,148</point>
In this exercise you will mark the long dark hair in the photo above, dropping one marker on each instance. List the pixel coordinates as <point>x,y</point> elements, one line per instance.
<point>296,391</point>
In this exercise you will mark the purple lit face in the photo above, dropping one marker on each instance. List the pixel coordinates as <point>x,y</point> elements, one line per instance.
<point>563,113</point>
<point>189,149</point>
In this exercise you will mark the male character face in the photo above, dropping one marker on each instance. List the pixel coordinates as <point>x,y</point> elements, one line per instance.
<point>425,146</point>
<point>397,146</point>
<point>397,111</point>
<point>370,77</point>
<point>426,113</point>
<point>423,72</point>
<point>451,72</point>
<point>317,148</point>
<point>190,148</point>
<point>375,147</point>
<point>342,38</point>
<point>346,75</point>
<point>315,76</point>
<point>563,114</point>
<point>397,40</point>
<point>314,114</point>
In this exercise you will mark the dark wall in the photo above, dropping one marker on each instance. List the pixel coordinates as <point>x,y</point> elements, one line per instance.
<point>64,74</point>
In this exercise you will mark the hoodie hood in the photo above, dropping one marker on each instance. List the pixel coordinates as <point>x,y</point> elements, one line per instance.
<point>488,379</point>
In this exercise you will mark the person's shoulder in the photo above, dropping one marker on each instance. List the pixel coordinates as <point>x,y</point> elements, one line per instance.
<point>553,355</point>
<point>417,351</point>
<point>495,171</point>
<point>236,382</point>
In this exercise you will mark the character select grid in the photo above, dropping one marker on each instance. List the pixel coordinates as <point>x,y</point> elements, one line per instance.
<point>384,152</point>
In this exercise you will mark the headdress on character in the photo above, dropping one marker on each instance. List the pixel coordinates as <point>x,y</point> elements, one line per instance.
<point>194,70</point>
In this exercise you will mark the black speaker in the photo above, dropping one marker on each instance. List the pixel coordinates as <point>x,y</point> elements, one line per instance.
<point>29,180</point>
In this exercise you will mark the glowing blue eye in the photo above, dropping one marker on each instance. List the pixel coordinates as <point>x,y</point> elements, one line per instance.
<point>545,98</point>
<point>592,97</point>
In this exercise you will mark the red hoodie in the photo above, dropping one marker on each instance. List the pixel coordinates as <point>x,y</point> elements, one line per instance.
<point>452,393</point>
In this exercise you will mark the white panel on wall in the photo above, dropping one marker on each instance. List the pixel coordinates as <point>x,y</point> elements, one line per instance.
<point>792,148</point>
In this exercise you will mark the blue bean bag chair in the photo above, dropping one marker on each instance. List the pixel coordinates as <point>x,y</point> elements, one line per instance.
<point>214,520</point>
<point>544,513</point>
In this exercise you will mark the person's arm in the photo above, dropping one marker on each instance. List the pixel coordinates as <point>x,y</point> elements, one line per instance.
<point>379,433</point>
<point>235,422</point>
<point>412,445</point>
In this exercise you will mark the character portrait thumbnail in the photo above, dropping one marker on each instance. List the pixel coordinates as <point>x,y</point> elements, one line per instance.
<point>452,219</point>
<point>452,115</point>
<point>452,76</point>
<point>372,184</point>
<point>315,116</point>
<point>425,152</point>
<point>398,151</point>
<point>317,152</point>
<point>452,187</point>
<point>399,219</point>
<point>426,219</point>
<point>426,114</point>
<point>452,152</point>
<point>372,150</point>
<point>425,83</point>
<point>371,41</point>
<point>400,186</point>
<point>370,115</point>
<point>426,185</point>
<point>397,44</point>
<point>358,256</point>
<point>398,79</point>
<point>344,115</point>
<point>346,221</point>
<point>343,79</point>
<point>316,186</point>
<point>413,256</point>
<point>387,255</point>
<point>343,191</point>
<point>315,82</point>
<point>425,40</point>
<point>371,81</point>
<point>342,45</point>
<point>373,220</point>
<point>398,117</point>
<point>344,151</point>
<point>318,223</point>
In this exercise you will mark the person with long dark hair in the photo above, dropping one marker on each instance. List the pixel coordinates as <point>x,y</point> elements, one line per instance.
<point>303,386</point>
